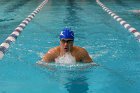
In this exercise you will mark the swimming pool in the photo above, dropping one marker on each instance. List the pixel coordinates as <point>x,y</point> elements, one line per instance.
<point>109,44</point>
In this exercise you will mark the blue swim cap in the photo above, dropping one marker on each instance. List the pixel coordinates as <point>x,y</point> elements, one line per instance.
<point>67,33</point>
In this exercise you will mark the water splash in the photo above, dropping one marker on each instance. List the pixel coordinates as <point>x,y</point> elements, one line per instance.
<point>59,67</point>
<point>67,58</point>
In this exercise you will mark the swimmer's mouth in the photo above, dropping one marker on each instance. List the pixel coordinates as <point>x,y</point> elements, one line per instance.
<point>65,48</point>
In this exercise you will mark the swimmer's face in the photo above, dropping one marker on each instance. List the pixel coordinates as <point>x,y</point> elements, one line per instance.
<point>66,44</point>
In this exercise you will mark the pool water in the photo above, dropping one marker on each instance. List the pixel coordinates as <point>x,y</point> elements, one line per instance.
<point>108,43</point>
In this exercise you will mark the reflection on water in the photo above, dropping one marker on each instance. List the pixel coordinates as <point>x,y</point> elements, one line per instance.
<point>77,85</point>
<point>17,5</point>
<point>72,77</point>
<point>120,2</point>
<point>72,19</point>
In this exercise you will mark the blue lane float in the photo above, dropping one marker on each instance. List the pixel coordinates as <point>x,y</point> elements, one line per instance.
<point>120,20</point>
<point>13,36</point>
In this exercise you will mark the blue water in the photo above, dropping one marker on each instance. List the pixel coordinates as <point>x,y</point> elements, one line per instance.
<point>109,44</point>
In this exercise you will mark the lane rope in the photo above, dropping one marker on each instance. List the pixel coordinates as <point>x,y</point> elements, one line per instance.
<point>120,20</point>
<point>13,36</point>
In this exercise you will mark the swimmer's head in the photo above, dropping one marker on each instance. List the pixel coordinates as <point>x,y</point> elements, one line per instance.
<point>67,33</point>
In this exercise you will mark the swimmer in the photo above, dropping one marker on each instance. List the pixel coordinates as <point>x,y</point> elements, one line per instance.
<point>67,47</point>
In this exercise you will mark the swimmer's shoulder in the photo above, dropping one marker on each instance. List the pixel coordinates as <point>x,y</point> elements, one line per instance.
<point>51,54</point>
<point>55,50</point>
<point>81,54</point>
<point>80,49</point>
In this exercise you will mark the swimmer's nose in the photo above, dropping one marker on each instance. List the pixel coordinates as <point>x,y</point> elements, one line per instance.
<point>66,44</point>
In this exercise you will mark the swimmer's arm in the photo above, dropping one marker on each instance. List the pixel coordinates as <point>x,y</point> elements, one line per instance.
<point>89,60</point>
<point>86,57</point>
<point>47,58</point>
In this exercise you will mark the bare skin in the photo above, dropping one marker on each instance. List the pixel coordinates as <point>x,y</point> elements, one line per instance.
<point>66,46</point>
